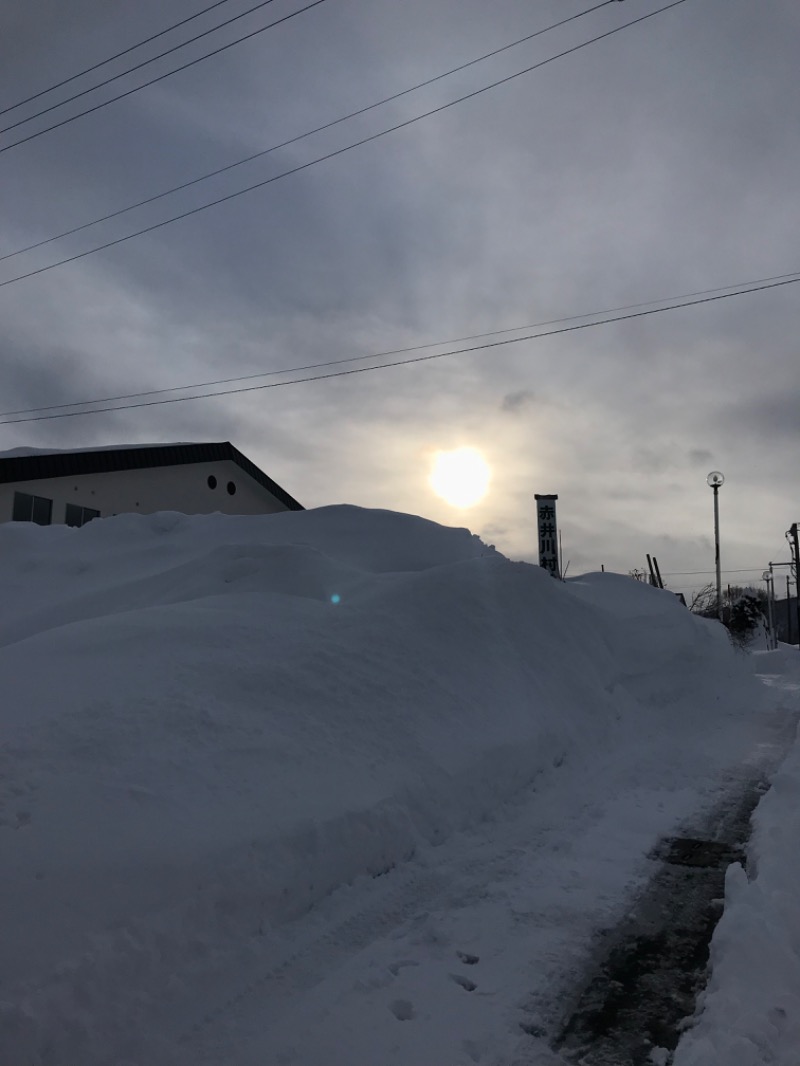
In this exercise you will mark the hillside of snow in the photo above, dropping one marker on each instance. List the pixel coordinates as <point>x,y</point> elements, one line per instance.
<point>211,724</point>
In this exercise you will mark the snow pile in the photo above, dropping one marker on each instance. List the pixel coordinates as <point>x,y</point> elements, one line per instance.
<point>17,453</point>
<point>750,1012</point>
<point>211,722</point>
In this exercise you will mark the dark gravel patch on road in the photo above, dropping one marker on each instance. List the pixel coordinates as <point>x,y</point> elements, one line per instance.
<point>654,964</point>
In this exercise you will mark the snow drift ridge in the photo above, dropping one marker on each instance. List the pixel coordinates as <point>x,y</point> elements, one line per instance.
<point>213,722</point>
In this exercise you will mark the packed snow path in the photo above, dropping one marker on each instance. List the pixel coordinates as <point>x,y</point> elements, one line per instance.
<point>481,945</point>
<point>338,787</point>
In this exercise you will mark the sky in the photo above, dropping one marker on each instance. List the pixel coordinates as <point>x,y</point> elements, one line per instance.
<point>657,162</point>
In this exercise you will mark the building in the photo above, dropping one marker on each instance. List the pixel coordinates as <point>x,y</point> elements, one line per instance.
<point>784,613</point>
<point>73,487</point>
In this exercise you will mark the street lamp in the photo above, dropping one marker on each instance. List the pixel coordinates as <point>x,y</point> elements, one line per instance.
<point>715,481</point>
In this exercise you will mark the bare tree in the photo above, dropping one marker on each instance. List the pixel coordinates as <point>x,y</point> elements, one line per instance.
<point>704,601</point>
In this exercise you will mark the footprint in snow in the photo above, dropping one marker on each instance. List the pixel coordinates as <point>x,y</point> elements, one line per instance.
<point>465,982</point>
<point>467,959</point>
<point>402,1010</point>
<point>401,964</point>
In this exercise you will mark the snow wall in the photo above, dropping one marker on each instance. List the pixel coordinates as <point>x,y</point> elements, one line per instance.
<point>749,1014</point>
<point>210,723</point>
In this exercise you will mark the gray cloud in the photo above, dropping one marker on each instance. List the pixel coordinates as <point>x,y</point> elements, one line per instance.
<point>768,417</point>
<point>514,402</point>
<point>657,162</point>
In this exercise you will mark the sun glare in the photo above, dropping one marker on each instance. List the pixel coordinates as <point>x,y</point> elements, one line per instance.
<point>461,477</point>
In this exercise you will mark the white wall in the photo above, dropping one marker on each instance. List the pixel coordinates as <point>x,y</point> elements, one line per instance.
<point>165,488</point>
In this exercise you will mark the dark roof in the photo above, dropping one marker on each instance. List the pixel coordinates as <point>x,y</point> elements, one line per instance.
<point>105,461</point>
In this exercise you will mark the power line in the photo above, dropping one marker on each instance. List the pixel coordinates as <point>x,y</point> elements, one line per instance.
<point>130,70</point>
<point>117,55</point>
<point>303,136</point>
<point>403,362</point>
<point>761,282</point>
<point>338,151</point>
<point>694,573</point>
<point>160,77</point>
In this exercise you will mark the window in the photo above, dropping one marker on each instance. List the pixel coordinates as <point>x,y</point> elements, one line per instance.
<point>29,508</point>
<point>231,488</point>
<point>212,481</point>
<point>79,516</point>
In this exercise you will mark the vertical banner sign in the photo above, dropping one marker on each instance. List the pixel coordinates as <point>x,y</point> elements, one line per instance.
<point>548,533</point>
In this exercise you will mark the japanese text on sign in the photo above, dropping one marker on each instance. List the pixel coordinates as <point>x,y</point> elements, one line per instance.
<point>548,533</point>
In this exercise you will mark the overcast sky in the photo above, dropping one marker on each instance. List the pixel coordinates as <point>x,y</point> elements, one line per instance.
<point>658,162</point>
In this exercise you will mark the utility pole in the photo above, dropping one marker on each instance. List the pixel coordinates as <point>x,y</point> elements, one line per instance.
<point>788,605</point>
<point>793,533</point>
<point>715,480</point>
<point>788,613</point>
<point>768,577</point>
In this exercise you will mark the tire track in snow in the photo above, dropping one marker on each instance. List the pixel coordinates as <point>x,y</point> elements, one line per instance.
<point>520,845</point>
<point>298,966</point>
<point>443,876</point>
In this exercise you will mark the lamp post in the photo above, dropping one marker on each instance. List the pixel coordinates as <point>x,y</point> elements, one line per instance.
<point>715,480</point>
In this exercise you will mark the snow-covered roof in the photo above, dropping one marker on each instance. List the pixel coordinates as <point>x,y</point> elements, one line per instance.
<point>15,453</point>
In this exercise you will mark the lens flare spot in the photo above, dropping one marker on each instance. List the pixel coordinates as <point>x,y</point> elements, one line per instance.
<point>336,598</point>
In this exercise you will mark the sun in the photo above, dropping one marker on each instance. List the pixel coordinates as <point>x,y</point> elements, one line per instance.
<point>461,477</point>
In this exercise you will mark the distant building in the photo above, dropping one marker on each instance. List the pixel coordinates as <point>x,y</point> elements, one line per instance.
<point>74,487</point>
<point>784,612</point>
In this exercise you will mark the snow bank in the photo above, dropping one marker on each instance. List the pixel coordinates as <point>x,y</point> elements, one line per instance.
<point>16,453</point>
<point>211,722</point>
<point>750,1012</point>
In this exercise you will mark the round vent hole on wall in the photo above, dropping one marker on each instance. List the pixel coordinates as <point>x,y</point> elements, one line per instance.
<point>231,488</point>
<point>212,481</point>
